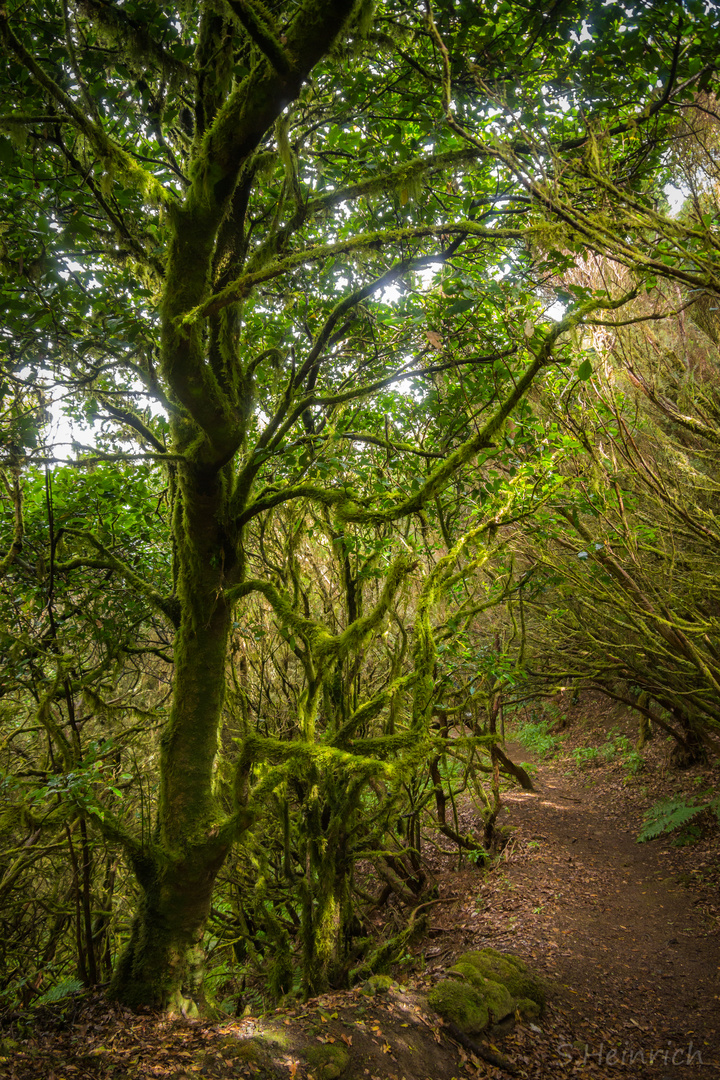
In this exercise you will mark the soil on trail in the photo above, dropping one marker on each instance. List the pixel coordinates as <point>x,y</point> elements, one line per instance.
<point>627,932</point>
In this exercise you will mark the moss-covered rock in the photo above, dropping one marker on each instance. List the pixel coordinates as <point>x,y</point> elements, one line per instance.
<point>240,1051</point>
<point>461,1004</point>
<point>467,971</point>
<point>487,988</point>
<point>498,999</point>
<point>328,1061</point>
<point>507,970</point>
<point>528,1009</point>
<point>378,984</point>
<point>261,1052</point>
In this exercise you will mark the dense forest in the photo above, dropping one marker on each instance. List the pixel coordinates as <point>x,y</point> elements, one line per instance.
<point>360,382</point>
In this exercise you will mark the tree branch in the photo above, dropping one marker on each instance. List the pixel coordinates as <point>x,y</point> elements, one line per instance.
<point>261,34</point>
<point>166,605</point>
<point>15,492</point>
<point>109,152</point>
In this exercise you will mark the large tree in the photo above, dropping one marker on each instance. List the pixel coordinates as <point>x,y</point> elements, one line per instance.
<point>281,249</point>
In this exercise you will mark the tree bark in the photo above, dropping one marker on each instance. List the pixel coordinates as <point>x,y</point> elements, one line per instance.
<point>162,965</point>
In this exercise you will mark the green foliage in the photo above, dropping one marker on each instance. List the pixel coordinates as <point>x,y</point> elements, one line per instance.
<point>61,990</point>
<point>478,856</point>
<point>535,735</point>
<point>615,744</point>
<point>669,815</point>
<point>295,301</point>
<point>633,762</point>
<point>586,755</point>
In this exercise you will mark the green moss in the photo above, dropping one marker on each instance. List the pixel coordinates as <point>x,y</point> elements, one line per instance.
<point>378,984</point>
<point>497,997</point>
<point>507,970</point>
<point>234,1049</point>
<point>327,1061</point>
<point>275,1039</point>
<point>461,1004</point>
<point>241,1049</point>
<point>488,987</point>
<point>468,972</point>
<point>528,1009</point>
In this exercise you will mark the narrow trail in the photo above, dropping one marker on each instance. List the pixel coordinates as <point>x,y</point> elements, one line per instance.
<point>634,954</point>
<point>619,930</point>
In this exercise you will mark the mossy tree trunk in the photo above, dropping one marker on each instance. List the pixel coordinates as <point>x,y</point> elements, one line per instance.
<point>326,896</point>
<point>211,481</point>
<point>162,964</point>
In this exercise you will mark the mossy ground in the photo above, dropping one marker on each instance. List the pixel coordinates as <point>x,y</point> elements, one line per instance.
<point>328,1061</point>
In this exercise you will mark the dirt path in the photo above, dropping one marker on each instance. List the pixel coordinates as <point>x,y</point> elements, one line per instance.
<point>634,954</point>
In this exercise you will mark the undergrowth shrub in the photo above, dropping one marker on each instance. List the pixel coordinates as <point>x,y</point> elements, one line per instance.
<point>586,755</point>
<point>535,735</point>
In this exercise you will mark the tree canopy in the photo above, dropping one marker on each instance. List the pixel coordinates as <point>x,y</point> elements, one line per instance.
<point>291,268</point>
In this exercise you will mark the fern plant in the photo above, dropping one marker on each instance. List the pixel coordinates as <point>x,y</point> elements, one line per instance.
<point>670,814</point>
<point>59,991</point>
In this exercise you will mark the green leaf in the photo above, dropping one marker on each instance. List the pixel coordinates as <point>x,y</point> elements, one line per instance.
<point>460,306</point>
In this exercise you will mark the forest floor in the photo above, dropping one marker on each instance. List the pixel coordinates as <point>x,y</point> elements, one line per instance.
<point>627,935</point>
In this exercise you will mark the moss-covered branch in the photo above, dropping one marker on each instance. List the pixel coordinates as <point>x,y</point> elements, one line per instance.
<point>228,144</point>
<point>370,709</point>
<point>286,417</point>
<point>113,157</point>
<point>347,507</point>
<point>132,420</point>
<point>323,644</point>
<point>401,177</point>
<point>262,34</point>
<point>378,239</point>
<point>14,491</point>
<point>133,39</point>
<point>166,605</point>
<point>485,435</point>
